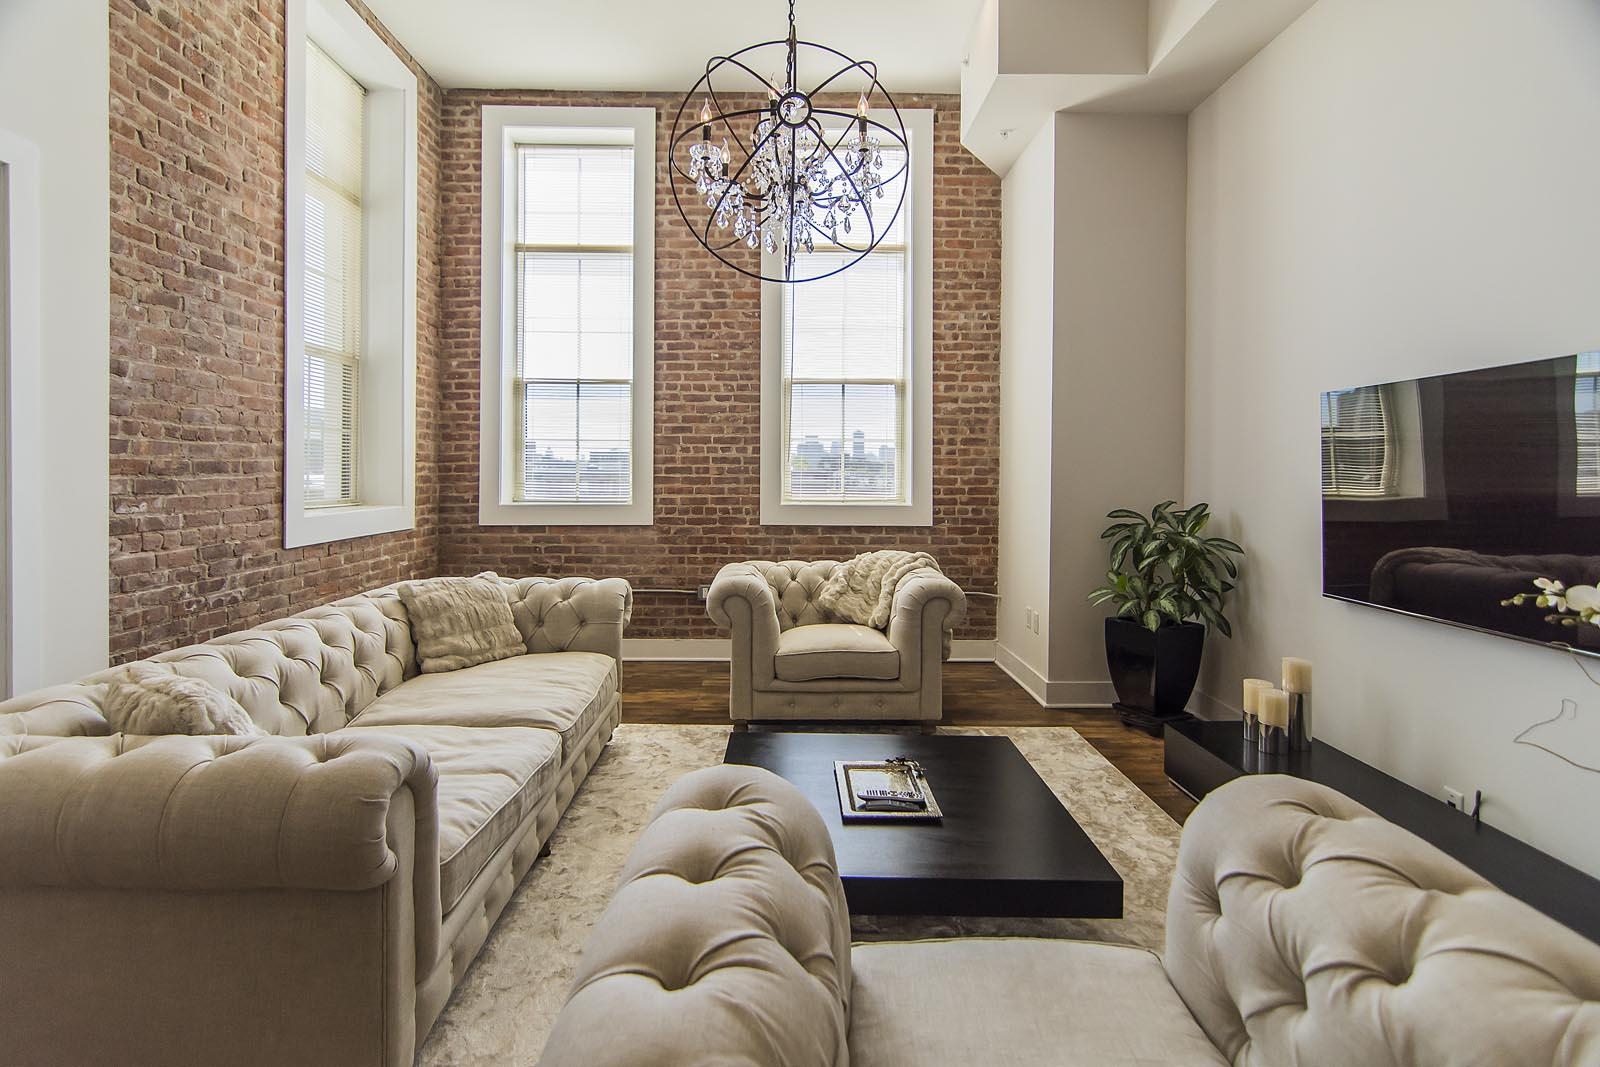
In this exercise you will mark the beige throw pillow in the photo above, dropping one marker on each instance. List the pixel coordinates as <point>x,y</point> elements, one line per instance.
<point>460,622</point>
<point>149,699</point>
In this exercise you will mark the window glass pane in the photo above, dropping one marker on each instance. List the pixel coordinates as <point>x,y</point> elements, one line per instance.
<point>332,282</point>
<point>574,323</point>
<point>576,195</point>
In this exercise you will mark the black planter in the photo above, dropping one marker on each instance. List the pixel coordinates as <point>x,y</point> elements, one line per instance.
<point>1153,672</point>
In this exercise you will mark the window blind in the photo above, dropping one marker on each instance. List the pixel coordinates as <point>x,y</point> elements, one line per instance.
<point>573,263</point>
<point>1357,443</point>
<point>846,367</point>
<point>335,171</point>
<point>1586,408</point>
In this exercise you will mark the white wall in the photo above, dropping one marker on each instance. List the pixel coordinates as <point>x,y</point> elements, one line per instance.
<point>1389,190</point>
<point>1119,340</point>
<point>1027,253</point>
<point>1091,377</point>
<point>54,86</point>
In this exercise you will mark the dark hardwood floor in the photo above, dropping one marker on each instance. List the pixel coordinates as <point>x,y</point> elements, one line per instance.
<point>975,694</point>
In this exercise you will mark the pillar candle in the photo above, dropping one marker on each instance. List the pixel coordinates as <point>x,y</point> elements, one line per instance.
<point>1274,708</point>
<point>1296,675</point>
<point>1252,694</point>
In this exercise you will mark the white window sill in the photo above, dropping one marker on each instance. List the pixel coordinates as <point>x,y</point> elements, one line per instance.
<point>864,514</point>
<point>318,526</point>
<point>500,513</point>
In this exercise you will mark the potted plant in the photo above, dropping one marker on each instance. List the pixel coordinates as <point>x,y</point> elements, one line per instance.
<point>1167,581</point>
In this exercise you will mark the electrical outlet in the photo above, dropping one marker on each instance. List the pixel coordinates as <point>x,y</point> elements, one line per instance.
<point>705,593</point>
<point>1455,798</point>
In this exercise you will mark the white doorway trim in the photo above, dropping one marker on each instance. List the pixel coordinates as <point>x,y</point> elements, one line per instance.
<point>22,489</point>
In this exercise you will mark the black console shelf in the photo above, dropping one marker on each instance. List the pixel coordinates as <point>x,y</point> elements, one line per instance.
<point>1203,755</point>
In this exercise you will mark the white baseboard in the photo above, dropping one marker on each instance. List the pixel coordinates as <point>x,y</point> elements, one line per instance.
<point>716,650</point>
<point>1054,694</point>
<point>677,649</point>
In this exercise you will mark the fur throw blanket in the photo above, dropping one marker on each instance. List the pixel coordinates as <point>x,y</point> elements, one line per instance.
<point>147,699</point>
<point>861,590</point>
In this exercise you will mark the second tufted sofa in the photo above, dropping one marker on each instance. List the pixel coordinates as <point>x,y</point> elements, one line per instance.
<point>791,660</point>
<point>1302,931</point>
<point>308,897</point>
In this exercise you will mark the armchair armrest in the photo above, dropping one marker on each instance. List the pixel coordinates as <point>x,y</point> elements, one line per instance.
<point>741,601</point>
<point>736,585</point>
<point>212,813</point>
<point>925,595</point>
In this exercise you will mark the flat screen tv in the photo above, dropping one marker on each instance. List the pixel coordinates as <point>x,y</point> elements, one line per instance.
<point>1444,497</point>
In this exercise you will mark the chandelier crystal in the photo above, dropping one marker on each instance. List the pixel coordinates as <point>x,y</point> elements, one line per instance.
<point>766,171</point>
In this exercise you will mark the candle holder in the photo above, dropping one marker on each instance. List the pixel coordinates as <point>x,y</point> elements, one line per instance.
<point>1250,758</point>
<point>1252,727</point>
<point>1274,740</point>
<point>1300,721</point>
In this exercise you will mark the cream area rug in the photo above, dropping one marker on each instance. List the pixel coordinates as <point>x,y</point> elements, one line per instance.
<point>504,1007</point>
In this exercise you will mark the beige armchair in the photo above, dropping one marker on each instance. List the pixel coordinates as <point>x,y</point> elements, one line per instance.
<point>791,660</point>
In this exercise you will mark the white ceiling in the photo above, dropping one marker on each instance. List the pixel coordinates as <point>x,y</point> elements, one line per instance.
<point>657,44</point>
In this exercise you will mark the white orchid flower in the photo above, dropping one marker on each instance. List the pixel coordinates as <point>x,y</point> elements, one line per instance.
<point>1584,598</point>
<point>1549,585</point>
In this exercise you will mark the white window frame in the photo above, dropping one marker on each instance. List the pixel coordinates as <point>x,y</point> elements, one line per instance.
<point>388,396</point>
<point>504,127</point>
<point>917,509</point>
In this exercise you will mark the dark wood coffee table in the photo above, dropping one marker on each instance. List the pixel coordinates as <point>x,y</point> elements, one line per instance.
<point>1006,846</point>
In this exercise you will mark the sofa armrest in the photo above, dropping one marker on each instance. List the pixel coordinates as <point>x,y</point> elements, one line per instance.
<point>572,614</point>
<point>212,813</point>
<point>728,939</point>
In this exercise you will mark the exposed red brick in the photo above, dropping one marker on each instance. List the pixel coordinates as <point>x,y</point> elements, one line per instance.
<point>197,222</point>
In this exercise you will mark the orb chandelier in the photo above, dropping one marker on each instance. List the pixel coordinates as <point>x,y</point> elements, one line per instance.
<point>766,172</point>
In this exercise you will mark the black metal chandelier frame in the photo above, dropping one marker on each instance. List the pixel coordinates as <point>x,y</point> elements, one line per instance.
<point>792,111</point>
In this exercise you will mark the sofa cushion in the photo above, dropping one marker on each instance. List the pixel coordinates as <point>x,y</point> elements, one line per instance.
<point>1028,1002</point>
<point>461,622</point>
<point>490,780</point>
<point>560,691</point>
<point>835,650</point>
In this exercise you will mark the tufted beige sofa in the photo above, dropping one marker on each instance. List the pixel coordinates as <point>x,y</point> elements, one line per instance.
<point>791,660</point>
<point>310,897</point>
<point>1302,931</point>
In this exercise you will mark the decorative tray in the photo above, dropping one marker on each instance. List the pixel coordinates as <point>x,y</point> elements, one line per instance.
<point>896,775</point>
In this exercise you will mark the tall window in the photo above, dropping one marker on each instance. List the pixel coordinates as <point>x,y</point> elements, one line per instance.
<point>334,236</point>
<point>1586,405</point>
<point>350,279</point>
<point>573,386</point>
<point>1358,443</point>
<point>568,305</point>
<point>846,364</point>
<point>847,410</point>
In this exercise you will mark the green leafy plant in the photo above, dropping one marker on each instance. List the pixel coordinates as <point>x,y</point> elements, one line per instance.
<point>1164,571</point>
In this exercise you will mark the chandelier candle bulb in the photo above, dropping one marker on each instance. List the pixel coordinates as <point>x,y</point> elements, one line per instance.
<point>1297,683</point>
<point>1273,708</point>
<point>1252,706</point>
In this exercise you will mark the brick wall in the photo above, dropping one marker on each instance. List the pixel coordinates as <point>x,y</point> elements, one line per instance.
<point>707,417</point>
<point>197,333</point>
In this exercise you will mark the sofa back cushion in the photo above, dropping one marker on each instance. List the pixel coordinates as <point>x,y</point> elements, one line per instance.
<point>1304,929</point>
<point>728,940</point>
<point>795,586</point>
<point>309,673</point>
